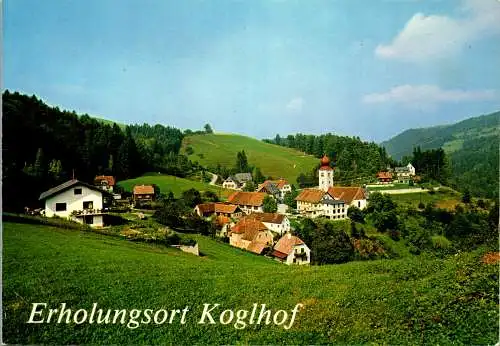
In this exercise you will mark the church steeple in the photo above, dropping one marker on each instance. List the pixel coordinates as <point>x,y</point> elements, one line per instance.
<point>325,174</point>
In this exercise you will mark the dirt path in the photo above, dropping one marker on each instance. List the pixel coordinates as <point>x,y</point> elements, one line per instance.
<point>214,178</point>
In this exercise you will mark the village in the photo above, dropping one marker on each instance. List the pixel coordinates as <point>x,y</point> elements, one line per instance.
<point>243,219</point>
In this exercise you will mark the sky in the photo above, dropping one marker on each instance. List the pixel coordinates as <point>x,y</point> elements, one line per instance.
<point>367,68</point>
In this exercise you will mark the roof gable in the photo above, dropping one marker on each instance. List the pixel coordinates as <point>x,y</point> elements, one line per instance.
<point>347,194</point>
<point>144,190</point>
<point>310,195</point>
<point>287,243</point>
<point>67,185</point>
<point>268,217</point>
<point>247,198</point>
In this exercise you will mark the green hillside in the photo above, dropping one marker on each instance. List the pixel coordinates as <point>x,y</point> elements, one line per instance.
<point>417,300</point>
<point>471,146</point>
<point>273,160</point>
<point>449,137</point>
<point>168,183</point>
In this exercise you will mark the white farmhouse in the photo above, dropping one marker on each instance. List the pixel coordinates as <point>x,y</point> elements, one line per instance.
<point>292,250</point>
<point>77,201</point>
<point>315,202</point>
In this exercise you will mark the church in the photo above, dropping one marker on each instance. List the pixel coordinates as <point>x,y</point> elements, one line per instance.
<point>327,200</point>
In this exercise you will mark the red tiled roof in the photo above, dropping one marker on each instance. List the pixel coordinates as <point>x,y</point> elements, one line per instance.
<point>384,175</point>
<point>108,178</point>
<point>279,254</point>
<point>279,183</point>
<point>206,208</point>
<point>247,198</point>
<point>326,168</point>
<point>287,243</point>
<point>346,194</point>
<point>144,190</point>
<point>225,208</point>
<point>310,195</point>
<point>267,217</point>
<point>248,225</point>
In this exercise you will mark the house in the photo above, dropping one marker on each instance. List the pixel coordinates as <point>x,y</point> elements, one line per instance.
<point>237,181</point>
<point>105,182</point>
<point>231,183</point>
<point>277,223</point>
<point>251,235</point>
<point>144,193</point>
<point>384,177</point>
<point>291,250</point>
<point>218,209</point>
<point>269,188</point>
<point>405,173</point>
<point>276,188</point>
<point>352,196</point>
<point>77,201</point>
<point>248,201</point>
<point>315,202</point>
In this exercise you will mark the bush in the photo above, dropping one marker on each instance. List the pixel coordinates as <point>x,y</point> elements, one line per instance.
<point>356,214</point>
<point>440,242</point>
<point>421,205</point>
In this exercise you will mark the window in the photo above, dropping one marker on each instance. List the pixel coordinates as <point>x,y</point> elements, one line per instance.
<point>60,206</point>
<point>89,220</point>
<point>78,191</point>
<point>359,204</point>
<point>88,205</point>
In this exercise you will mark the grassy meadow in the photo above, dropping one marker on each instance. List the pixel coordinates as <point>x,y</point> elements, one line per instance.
<point>444,198</point>
<point>273,160</point>
<point>417,299</point>
<point>170,183</point>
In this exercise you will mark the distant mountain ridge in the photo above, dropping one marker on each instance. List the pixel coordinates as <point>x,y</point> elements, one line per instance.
<point>449,137</point>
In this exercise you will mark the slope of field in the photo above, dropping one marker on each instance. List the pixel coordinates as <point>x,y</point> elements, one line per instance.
<point>471,146</point>
<point>168,183</point>
<point>449,137</point>
<point>273,160</point>
<point>417,300</point>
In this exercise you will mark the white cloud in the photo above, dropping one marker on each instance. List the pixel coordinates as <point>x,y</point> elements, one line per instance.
<point>295,105</point>
<point>429,37</point>
<point>428,95</point>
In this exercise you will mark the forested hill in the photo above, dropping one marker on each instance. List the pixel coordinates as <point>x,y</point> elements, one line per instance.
<point>355,160</point>
<point>43,146</point>
<point>471,147</point>
<point>449,137</point>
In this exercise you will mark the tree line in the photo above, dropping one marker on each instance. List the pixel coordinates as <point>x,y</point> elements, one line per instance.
<point>44,146</point>
<point>352,157</point>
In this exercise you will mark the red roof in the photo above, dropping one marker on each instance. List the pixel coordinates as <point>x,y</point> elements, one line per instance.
<point>384,175</point>
<point>248,225</point>
<point>144,190</point>
<point>107,178</point>
<point>225,208</point>
<point>267,217</point>
<point>287,243</point>
<point>247,198</point>
<point>310,195</point>
<point>347,194</point>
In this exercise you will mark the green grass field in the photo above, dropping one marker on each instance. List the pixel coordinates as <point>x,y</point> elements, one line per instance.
<point>414,300</point>
<point>273,160</point>
<point>395,186</point>
<point>446,199</point>
<point>170,183</point>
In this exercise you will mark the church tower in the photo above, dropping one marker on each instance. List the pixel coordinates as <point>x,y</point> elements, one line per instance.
<point>325,174</point>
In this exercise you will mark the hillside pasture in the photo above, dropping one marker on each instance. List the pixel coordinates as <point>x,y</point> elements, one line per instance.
<point>442,198</point>
<point>168,183</point>
<point>417,300</point>
<point>273,160</point>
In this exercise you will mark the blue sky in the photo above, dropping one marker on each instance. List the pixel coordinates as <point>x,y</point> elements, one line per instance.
<point>360,67</point>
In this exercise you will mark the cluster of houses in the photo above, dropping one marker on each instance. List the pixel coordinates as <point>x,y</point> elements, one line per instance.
<point>241,218</point>
<point>403,174</point>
